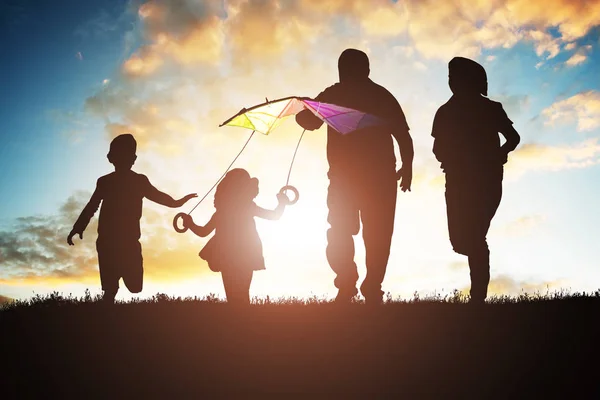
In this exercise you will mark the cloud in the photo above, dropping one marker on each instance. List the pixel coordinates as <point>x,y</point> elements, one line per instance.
<point>579,56</point>
<point>79,56</point>
<point>521,226</point>
<point>539,157</point>
<point>582,108</point>
<point>34,249</point>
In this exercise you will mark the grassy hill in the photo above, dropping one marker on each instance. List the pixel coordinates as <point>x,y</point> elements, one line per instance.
<point>183,348</point>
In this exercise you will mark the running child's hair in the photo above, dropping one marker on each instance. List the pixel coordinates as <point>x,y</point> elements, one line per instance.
<point>237,188</point>
<point>467,76</point>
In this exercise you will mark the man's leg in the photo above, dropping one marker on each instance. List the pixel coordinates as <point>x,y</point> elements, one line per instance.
<point>344,221</point>
<point>377,215</point>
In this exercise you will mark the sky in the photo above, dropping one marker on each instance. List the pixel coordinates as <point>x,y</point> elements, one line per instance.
<point>76,74</point>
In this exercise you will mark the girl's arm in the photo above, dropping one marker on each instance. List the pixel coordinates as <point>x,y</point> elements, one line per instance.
<point>272,214</point>
<point>199,230</point>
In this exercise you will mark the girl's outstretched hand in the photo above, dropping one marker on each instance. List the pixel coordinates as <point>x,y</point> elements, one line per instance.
<point>187,220</point>
<point>282,199</point>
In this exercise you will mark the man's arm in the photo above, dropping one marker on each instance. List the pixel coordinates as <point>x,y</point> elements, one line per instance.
<point>86,215</point>
<point>155,195</point>
<point>309,121</point>
<point>400,132</point>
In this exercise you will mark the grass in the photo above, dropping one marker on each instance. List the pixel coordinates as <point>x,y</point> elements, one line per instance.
<point>436,346</point>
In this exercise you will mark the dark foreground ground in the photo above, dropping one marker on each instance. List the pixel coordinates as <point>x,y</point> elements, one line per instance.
<point>204,349</point>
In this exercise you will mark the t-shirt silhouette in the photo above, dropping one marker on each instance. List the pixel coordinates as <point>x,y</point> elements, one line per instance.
<point>121,194</point>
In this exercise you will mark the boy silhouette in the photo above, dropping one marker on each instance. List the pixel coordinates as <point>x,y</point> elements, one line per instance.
<point>467,144</point>
<point>121,194</point>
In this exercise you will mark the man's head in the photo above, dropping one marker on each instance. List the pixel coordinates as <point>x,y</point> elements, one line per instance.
<point>122,151</point>
<point>353,65</point>
<point>466,76</point>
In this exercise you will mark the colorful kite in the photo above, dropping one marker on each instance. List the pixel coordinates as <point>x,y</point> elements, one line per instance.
<point>264,118</point>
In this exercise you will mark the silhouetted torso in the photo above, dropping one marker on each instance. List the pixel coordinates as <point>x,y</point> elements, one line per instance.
<point>368,152</point>
<point>467,142</point>
<point>235,244</point>
<point>121,194</point>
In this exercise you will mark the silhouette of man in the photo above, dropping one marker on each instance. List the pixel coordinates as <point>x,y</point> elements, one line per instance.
<point>467,144</point>
<point>362,176</point>
<point>121,194</point>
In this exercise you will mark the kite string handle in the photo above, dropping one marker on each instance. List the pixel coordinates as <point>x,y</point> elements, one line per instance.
<point>224,173</point>
<point>287,186</point>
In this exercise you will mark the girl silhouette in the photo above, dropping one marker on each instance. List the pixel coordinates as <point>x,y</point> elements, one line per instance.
<point>235,250</point>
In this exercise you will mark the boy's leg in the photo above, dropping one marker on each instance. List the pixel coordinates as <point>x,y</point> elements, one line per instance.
<point>479,266</point>
<point>133,267</point>
<point>109,277</point>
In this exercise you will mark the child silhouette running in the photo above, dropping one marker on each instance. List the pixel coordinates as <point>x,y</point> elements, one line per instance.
<point>467,144</point>
<point>121,194</point>
<point>235,250</point>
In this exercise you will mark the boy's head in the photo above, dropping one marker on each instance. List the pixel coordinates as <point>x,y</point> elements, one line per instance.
<point>122,151</point>
<point>353,65</point>
<point>466,76</point>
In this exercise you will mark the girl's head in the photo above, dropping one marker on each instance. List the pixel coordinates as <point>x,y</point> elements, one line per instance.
<point>466,77</point>
<point>236,189</point>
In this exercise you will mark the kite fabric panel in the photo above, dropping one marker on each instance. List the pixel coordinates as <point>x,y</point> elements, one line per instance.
<point>264,118</point>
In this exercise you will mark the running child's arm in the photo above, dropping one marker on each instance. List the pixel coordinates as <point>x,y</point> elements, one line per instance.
<point>272,214</point>
<point>86,215</point>
<point>512,139</point>
<point>199,230</point>
<point>164,199</point>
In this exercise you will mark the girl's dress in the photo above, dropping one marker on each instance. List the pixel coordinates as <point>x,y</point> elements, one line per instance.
<point>235,245</point>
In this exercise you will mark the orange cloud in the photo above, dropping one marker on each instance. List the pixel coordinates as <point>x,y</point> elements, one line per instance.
<point>537,157</point>
<point>583,108</point>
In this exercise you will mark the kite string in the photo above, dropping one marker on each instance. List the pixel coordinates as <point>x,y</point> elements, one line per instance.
<point>224,173</point>
<point>287,182</point>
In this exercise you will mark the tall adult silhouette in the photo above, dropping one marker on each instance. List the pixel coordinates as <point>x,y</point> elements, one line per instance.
<point>467,144</point>
<point>121,194</point>
<point>362,176</point>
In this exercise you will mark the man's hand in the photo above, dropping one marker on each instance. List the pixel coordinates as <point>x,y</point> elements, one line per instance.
<point>185,199</point>
<point>404,175</point>
<point>70,237</point>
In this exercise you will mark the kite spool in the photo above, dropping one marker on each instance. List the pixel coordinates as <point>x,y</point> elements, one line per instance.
<point>283,191</point>
<point>179,216</point>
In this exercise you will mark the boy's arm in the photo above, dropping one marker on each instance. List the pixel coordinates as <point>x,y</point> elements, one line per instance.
<point>86,215</point>
<point>199,230</point>
<point>508,131</point>
<point>512,139</point>
<point>155,195</point>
